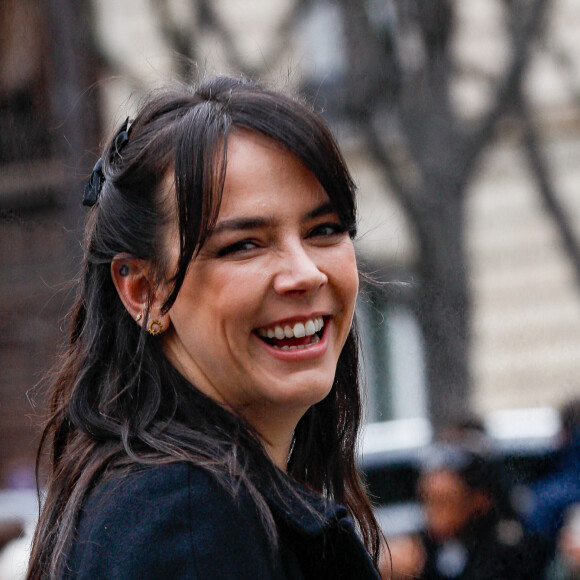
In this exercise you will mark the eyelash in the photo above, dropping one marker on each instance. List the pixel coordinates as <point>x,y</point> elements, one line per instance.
<point>240,246</point>
<point>335,229</point>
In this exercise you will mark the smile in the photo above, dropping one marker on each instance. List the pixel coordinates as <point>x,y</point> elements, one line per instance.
<point>293,336</point>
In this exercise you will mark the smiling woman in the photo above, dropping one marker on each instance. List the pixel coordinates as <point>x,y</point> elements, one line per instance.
<point>205,418</point>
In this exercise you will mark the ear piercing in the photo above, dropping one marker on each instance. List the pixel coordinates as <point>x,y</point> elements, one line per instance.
<point>124,270</point>
<point>155,327</point>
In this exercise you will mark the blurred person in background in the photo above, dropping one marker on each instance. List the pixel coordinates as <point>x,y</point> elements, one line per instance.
<point>471,532</point>
<point>566,564</point>
<point>552,495</point>
<point>465,427</point>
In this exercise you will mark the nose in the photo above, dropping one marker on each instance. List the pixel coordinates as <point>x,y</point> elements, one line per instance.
<point>298,272</point>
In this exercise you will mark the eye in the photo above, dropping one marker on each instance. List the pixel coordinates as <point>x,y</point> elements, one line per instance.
<point>237,248</point>
<point>327,229</point>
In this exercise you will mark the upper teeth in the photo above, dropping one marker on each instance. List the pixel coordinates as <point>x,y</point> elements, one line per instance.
<point>298,330</point>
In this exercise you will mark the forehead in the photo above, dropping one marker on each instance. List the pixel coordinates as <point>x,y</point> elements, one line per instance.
<point>262,175</point>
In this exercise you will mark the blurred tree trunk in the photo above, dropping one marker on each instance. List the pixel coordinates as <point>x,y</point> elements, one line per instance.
<point>428,153</point>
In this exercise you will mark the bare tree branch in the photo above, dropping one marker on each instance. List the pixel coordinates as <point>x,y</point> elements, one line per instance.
<point>394,161</point>
<point>507,93</point>
<point>369,69</point>
<point>209,17</point>
<point>178,37</point>
<point>540,171</point>
<point>566,65</point>
<point>284,33</point>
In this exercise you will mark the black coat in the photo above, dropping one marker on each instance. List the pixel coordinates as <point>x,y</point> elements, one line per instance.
<point>176,521</point>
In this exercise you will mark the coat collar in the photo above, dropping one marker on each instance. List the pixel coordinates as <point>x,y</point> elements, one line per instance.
<point>301,509</point>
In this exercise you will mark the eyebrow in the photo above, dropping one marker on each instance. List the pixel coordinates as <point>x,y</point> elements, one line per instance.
<point>251,223</point>
<point>324,209</point>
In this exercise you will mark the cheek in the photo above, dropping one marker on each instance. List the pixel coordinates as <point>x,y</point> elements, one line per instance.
<point>354,282</point>
<point>347,280</point>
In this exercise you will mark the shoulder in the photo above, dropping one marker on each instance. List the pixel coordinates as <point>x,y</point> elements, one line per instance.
<point>153,491</point>
<point>125,495</point>
<point>173,520</point>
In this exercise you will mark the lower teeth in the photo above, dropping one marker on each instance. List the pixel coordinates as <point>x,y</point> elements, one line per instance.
<point>315,340</point>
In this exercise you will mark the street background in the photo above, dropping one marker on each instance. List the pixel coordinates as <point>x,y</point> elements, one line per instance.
<point>460,121</point>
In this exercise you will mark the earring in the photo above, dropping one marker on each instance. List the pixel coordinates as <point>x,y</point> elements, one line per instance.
<point>155,327</point>
<point>139,316</point>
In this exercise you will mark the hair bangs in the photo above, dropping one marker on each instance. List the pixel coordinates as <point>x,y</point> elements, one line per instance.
<point>299,129</point>
<point>200,169</point>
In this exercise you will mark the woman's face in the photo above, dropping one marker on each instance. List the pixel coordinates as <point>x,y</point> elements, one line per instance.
<point>266,307</point>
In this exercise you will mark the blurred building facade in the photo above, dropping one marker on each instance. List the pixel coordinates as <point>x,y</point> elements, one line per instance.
<point>44,124</point>
<point>526,297</point>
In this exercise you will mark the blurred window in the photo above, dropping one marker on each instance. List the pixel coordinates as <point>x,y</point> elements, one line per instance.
<point>393,354</point>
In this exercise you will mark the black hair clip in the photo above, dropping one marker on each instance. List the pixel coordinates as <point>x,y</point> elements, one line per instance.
<point>95,183</point>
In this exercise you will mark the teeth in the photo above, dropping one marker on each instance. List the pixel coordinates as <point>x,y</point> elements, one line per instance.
<point>299,330</point>
<point>315,340</point>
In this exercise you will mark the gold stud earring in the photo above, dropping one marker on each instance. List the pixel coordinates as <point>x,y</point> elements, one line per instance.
<point>155,327</point>
<point>139,316</point>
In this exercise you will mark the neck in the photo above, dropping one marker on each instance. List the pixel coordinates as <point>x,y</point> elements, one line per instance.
<point>278,454</point>
<point>277,431</point>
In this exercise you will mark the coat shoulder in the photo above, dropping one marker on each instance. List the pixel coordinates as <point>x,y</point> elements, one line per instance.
<point>173,521</point>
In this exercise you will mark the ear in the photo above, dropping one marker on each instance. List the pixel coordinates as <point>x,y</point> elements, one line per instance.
<point>135,285</point>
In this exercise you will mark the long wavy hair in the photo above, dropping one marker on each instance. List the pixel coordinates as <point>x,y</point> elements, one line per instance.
<point>116,400</point>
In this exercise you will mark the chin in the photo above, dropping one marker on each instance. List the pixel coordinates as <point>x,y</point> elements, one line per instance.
<point>305,395</point>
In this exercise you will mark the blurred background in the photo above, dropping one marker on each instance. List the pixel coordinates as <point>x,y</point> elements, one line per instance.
<point>460,121</point>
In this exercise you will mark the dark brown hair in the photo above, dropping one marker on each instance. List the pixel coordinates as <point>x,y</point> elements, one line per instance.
<point>116,400</point>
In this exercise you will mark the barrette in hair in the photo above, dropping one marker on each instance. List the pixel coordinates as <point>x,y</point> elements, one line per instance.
<point>95,183</point>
